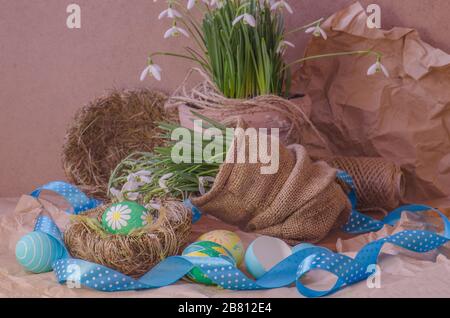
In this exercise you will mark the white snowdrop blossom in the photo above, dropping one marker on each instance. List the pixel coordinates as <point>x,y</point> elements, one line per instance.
<point>117,216</point>
<point>281,4</point>
<point>153,204</point>
<point>132,196</point>
<point>283,44</point>
<point>204,181</point>
<point>247,18</point>
<point>129,190</point>
<point>317,31</point>
<point>130,186</point>
<point>152,70</point>
<point>175,31</point>
<point>140,178</point>
<point>163,181</point>
<point>117,194</point>
<point>192,3</point>
<point>169,13</point>
<point>376,68</point>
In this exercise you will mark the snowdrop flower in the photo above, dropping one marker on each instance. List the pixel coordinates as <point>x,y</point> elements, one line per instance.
<point>153,205</point>
<point>317,31</point>
<point>163,180</point>
<point>129,190</point>
<point>153,70</point>
<point>130,186</point>
<point>117,216</point>
<point>376,68</point>
<point>281,4</point>
<point>204,181</point>
<point>140,178</point>
<point>175,31</point>
<point>117,194</point>
<point>125,194</point>
<point>248,18</point>
<point>283,44</point>
<point>170,13</point>
<point>132,196</point>
<point>192,3</point>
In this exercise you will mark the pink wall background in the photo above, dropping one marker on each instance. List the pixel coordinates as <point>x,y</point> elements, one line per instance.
<point>47,71</point>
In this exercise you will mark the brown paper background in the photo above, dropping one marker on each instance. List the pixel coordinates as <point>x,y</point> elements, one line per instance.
<point>404,118</point>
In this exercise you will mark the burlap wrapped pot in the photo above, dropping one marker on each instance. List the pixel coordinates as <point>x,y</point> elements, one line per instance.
<point>300,202</point>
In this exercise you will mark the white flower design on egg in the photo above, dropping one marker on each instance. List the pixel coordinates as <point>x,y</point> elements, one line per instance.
<point>117,216</point>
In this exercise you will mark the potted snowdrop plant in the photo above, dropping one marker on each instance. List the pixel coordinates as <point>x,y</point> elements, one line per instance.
<point>239,48</point>
<point>149,178</point>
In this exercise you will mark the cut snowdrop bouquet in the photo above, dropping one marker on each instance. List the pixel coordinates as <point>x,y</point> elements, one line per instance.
<point>150,177</point>
<point>240,44</point>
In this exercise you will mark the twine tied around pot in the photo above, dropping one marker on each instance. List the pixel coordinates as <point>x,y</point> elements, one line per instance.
<point>205,97</point>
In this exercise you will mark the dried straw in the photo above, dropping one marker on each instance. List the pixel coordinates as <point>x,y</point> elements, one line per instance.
<point>205,96</point>
<point>106,131</point>
<point>134,254</point>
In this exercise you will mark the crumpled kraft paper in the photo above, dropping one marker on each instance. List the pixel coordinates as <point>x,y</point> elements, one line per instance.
<point>404,118</point>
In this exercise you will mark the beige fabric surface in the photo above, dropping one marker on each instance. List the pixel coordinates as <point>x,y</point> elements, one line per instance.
<point>402,275</point>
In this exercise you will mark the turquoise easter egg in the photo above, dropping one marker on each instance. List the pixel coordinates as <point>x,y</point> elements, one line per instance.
<point>264,253</point>
<point>205,249</point>
<point>37,251</point>
<point>124,217</point>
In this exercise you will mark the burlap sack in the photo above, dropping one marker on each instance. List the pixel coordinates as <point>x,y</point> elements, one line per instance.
<point>300,202</point>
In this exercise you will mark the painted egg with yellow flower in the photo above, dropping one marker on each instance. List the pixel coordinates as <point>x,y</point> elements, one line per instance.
<point>205,249</point>
<point>230,240</point>
<point>124,217</point>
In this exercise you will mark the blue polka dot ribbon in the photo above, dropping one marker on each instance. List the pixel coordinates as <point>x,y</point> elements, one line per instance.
<point>359,223</point>
<point>74,196</point>
<point>46,225</point>
<point>291,270</point>
<point>196,214</point>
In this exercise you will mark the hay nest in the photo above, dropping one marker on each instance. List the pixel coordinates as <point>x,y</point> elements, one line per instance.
<point>107,130</point>
<point>134,254</point>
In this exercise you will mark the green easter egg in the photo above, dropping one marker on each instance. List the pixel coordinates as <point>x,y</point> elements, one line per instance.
<point>205,249</point>
<point>37,251</point>
<point>124,217</point>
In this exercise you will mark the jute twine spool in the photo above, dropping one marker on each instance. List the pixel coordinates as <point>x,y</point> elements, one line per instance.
<point>379,183</point>
<point>134,254</point>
